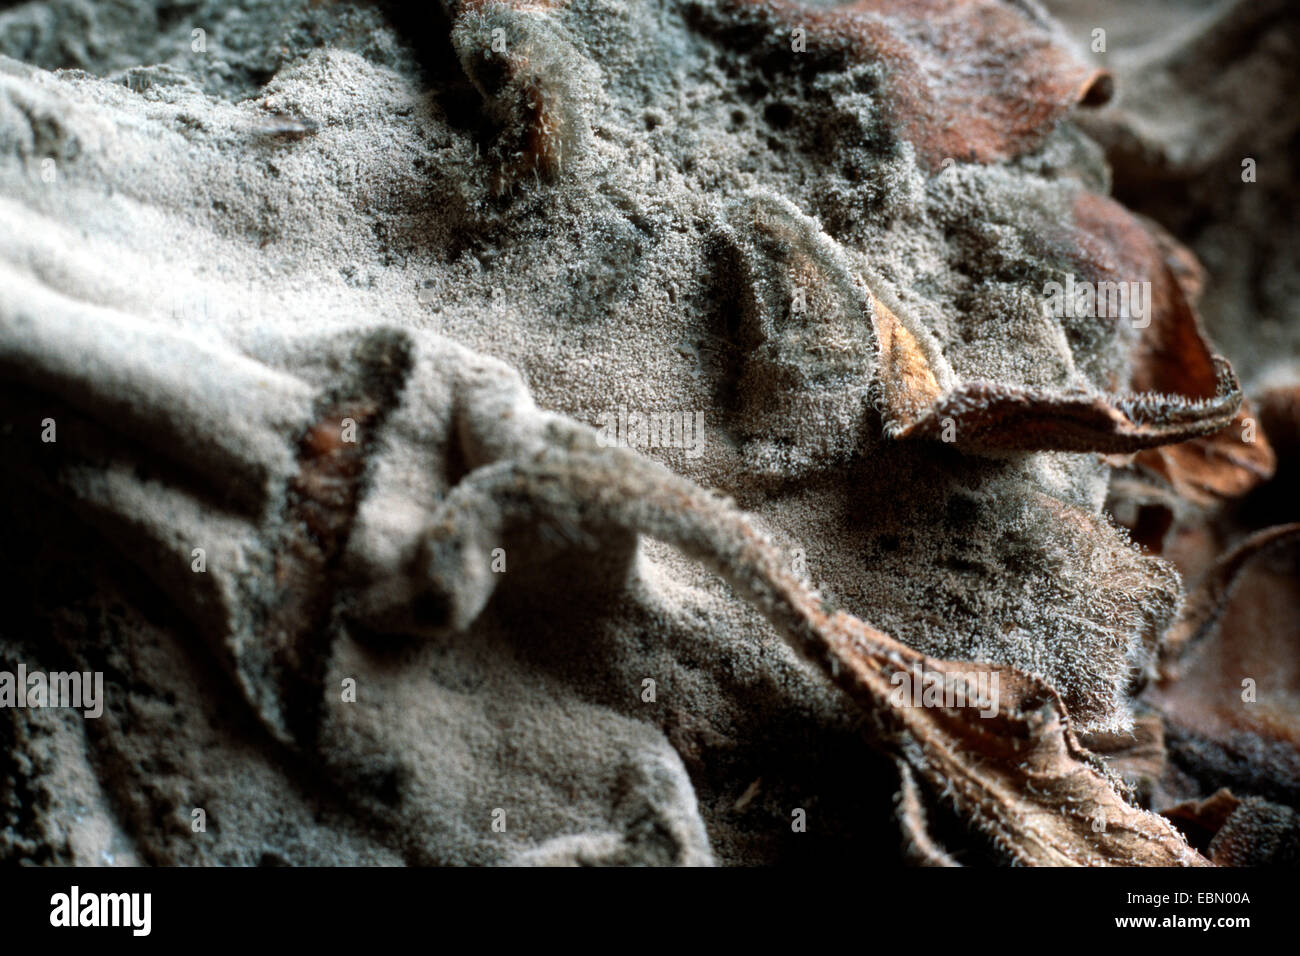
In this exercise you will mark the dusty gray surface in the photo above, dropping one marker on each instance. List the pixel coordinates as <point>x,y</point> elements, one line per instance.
<point>206,254</point>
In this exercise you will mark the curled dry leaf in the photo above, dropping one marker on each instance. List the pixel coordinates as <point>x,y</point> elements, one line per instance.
<point>1208,601</point>
<point>811,319</point>
<point>966,80</point>
<point>1226,464</point>
<point>1230,681</point>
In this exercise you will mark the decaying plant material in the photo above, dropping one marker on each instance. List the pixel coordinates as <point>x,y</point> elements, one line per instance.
<point>387,595</point>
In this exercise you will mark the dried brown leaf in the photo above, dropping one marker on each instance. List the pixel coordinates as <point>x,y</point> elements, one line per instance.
<point>1227,464</point>
<point>1230,677</point>
<point>967,80</point>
